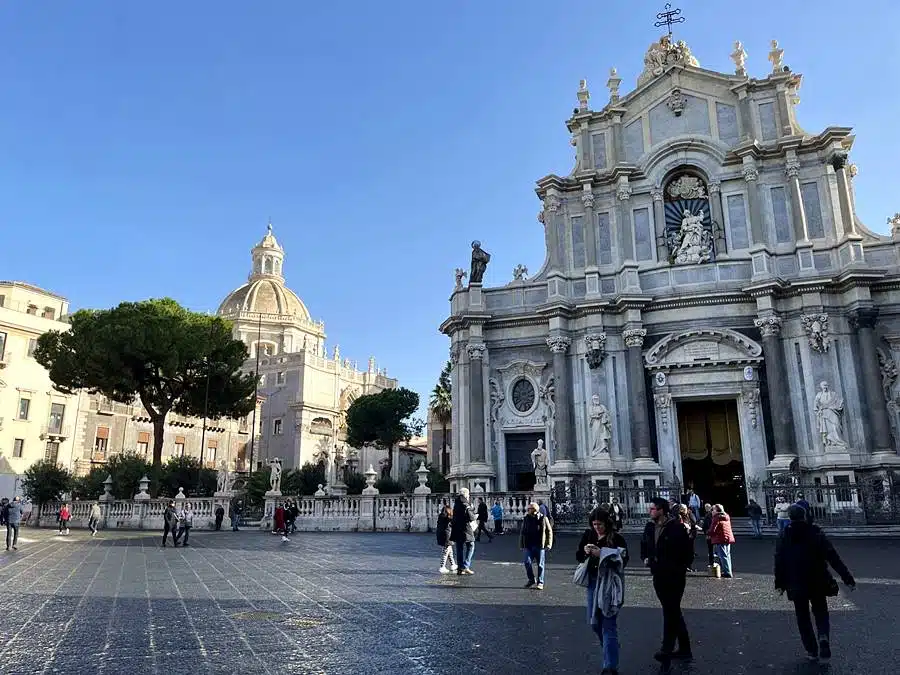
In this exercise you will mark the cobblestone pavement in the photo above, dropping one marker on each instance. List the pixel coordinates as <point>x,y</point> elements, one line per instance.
<point>374,603</point>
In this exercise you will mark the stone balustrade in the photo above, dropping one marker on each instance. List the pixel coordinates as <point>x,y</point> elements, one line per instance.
<point>133,514</point>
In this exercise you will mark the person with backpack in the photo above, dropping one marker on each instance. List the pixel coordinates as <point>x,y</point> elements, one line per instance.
<point>802,557</point>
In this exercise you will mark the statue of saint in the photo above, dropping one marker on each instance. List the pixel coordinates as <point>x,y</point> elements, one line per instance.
<point>275,476</point>
<point>692,247</point>
<point>830,417</point>
<point>540,460</point>
<point>601,427</point>
<point>480,260</point>
<point>222,482</point>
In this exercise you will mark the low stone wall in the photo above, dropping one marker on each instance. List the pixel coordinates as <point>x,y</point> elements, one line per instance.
<point>133,514</point>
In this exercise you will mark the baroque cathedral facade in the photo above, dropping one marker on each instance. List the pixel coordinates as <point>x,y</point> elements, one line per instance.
<point>711,311</point>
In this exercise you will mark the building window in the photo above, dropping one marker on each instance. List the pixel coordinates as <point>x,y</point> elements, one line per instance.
<point>267,350</point>
<point>32,345</point>
<point>2,344</point>
<point>32,309</point>
<point>18,447</point>
<point>101,441</point>
<point>49,313</point>
<point>57,413</point>
<point>52,452</point>
<point>276,427</point>
<point>279,378</point>
<point>2,300</point>
<point>179,446</point>
<point>24,407</point>
<point>143,443</point>
<point>212,447</point>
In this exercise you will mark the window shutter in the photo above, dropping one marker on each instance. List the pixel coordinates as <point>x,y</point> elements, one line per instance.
<point>143,437</point>
<point>212,443</point>
<point>102,432</point>
<point>179,440</point>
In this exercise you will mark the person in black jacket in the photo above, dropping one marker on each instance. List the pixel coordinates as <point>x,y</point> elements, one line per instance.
<point>442,530</point>
<point>666,549</point>
<point>170,524</point>
<point>220,515</point>
<point>482,521</point>
<point>802,557</point>
<point>601,534</point>
<point>462,532</point>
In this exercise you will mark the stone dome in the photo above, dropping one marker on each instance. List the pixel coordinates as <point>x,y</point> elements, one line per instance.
<point>265,291</point>
<point>266,296</point>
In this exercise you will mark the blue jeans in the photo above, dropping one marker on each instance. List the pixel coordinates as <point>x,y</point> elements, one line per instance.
<point>464,552</point>
<point>782,525</point>
<point>724,553</point>
<point>757,526</point>
<point>607,629</point>
<point>535,553</point>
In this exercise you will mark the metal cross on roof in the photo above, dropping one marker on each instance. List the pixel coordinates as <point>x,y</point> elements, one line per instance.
<point>668,17</point>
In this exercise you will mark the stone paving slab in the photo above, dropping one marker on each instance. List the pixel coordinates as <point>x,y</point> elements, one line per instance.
<point>374,603</point>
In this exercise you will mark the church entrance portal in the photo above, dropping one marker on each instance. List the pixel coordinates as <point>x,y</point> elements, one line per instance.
<point>519,469</point>
<point>711,456</point>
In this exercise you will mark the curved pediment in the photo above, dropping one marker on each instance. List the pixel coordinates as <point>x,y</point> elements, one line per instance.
<point>703,347</point>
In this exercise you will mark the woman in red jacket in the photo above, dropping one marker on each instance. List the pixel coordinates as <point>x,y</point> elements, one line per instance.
<point>64,516</point>
<point>722,538</point>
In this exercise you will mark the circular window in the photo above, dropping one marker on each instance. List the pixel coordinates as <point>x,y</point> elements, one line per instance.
<point>523,395</point>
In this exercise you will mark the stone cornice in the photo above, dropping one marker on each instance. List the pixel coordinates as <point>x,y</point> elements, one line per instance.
<point>705,299</point>
<point>452,324</point>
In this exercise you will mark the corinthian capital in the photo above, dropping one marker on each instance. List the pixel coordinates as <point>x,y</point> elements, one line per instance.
<point>588,200</point>
<point>476,351</point>
<point>558,344</point>
<point>634,337</point>
<point>623,192</point>
<point>714,187</point>
<point>768,325</point>
<point>792,168</point>
<point>656,193</point>
<point>751,173</point>
<point>551,203</point>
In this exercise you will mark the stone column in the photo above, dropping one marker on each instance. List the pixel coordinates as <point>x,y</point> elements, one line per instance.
<point>559,345</point>
<point>863,320</point>
<point>552,223</point>
<point>715,208</point>
<point>792,171</point>
<point>590,231</point>
<point>476,402</point>
<point>616,150</point>
<point>779,393</point>
<point>659,218</point>
<point>623,218</point>
<point>839,163</point>
<point>637,392</point>
<point>757,233</point>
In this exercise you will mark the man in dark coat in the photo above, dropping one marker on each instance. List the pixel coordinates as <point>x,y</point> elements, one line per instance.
<point>482,521</point>
<point>666,549</point>
<point>220,515</point>
<point>462,532</point>
<point>802,557</point>
<point>170,524</point>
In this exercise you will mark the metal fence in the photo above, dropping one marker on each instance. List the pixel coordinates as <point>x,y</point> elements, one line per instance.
<point>874,500</point>
<point>571,503</point>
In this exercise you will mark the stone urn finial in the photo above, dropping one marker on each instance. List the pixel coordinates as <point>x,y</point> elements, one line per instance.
<point>143,486</point>
<point>107,490</point>
<point>320,492</point>
<point>422,477</point>
<point>370,488</point>
<point>180,494</point>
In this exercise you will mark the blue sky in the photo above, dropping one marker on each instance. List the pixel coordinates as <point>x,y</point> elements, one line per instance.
<point>145,145</point>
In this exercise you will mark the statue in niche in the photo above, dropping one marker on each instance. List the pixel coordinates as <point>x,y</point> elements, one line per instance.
<point>547,394</point>
<point>601,427</point>
<point>829,408</point>
<point>275,475</point>
<point>539,460</point>
<point>480,260</point>
<point>693,240</point>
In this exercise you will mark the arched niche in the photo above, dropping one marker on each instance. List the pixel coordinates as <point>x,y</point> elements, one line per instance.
<point>689,229</point>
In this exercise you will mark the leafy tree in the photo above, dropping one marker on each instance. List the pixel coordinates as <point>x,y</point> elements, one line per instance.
<point>185,472</point>
<point>155,351</point>
<point>355,482</point>
<point>126,470</point>
<point>46,481</point>
<point>89,486</point>
<point>309,478</point>
<point>383,419</point>
<point>441,406</point>
<point>388,486</point>
<point>257,486</point>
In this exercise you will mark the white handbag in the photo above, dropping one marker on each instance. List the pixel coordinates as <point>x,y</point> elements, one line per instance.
<point>581,576</point>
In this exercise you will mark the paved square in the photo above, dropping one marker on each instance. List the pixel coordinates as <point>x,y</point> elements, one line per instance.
<point>374,603</point>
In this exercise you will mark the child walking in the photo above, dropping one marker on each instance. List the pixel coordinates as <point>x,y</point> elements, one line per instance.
<point>444,521</point>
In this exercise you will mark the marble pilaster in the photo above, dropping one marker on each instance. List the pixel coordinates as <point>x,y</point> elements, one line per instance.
<point>863,320</point>
<point>637,392</point>
<point>715,207</point>
<point>476,402</point>
<point>751,176</point>
<point>792,170</point>
<point>659,219</point>
<point>565,421</point>
<point>779,392</point>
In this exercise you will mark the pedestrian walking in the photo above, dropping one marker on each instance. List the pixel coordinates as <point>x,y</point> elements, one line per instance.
<point>617,514</point>
<point>482,521</point>
<point>782,515</point>
<point>686,518</point>
<point>497,515</point>
<point>63,517</point>
<point>235,516</point>
<point>693,503</point>
<point>535,539</point>
<point>291,512</point>
<point>722,538</point>
<point>706,527</point>
<point>755,512</point>
<point>170,524</point>
<point>220,516</point>
<point>186,523</point>
<point>666,550</point>
<point>802,557</point>
<point>94,519</point>
<point>443,528</point>
<point>607,554</point>
<point>14,511</point>
<point>462,532</point>
<point>801,502</point>
<point>4,507</point>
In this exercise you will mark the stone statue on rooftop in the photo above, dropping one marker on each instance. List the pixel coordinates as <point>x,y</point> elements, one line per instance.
<point>480,260</point>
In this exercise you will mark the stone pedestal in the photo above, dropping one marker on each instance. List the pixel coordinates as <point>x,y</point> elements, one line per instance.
<point>339,489</point>
<point>223,499</point>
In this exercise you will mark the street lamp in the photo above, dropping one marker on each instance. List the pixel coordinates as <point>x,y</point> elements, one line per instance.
<point>205,405</point>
